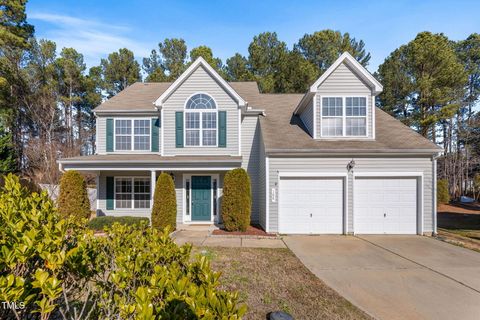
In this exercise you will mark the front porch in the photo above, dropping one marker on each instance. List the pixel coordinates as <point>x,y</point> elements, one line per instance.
<point>128,188</point>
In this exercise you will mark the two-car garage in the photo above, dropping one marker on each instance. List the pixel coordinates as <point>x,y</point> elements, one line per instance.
<point>378,204</point>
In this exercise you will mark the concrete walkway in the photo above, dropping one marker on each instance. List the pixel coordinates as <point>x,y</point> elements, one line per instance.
<point>396,277</point>
<point>206,239</point>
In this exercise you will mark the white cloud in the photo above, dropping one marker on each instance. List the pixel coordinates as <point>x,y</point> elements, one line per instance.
<point>94,39</point>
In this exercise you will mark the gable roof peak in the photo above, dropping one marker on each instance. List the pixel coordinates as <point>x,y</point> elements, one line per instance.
<point>348,59</point>
<point>208,68</point>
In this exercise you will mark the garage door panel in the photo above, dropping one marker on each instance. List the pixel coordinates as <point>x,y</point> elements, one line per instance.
<point>311,205</point>
<point>385,206</point>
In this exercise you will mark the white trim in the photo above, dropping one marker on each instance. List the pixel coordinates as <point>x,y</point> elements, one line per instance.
<point>389,174</point>
<point>199,62</point>
<point>267,194</point>
<point>348,58</point>
<point>399,174</point>
<point>340,175</point>
<point>162,149</point>
<point>314,101</point>
<point>304,174</point>
<point>157,169</point>
<point>188,219</point>
<point>434,191</point>
<point>153,184</point>
<point>344,117</point>
<point>132,135</point>
<point>97,184</point>
<point>132,178</point>
<point>373,118</point>
<point>239,132</point>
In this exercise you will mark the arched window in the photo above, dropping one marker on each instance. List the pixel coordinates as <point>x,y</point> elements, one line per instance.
<point>200,121</point>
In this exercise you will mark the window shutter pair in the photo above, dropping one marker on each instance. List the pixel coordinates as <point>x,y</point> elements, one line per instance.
<point>222,129</point>
<point>155,125</point>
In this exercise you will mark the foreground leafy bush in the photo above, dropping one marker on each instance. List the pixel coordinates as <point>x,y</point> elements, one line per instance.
<point>100,223</point>
<point>237,200</point>
<point>37,251</point>
<point>60,270</point>
<point>73,198</point>
<point>164,210</point>
<point>443,196</point>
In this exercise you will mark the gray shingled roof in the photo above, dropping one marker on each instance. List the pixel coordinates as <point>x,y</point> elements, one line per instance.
<point>282,131</point>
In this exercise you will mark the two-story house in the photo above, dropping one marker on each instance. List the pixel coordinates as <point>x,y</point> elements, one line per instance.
<point>327,161</point>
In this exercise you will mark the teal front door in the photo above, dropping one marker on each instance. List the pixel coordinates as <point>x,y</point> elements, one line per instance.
<point>201,198</point>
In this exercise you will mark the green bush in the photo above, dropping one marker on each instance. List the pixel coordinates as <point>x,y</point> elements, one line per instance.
<point>73,198</point>
<point>237,200</point>
<point>100,223</point>
<point>443,196</point>
<point>60,270</point>
<point>37,251</point>
<point>164,211</point>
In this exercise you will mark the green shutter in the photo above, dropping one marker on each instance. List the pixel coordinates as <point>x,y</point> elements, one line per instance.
<point>110,193</point>
<point>179,129</point>
<point>222,129</point>
<point>155,126</point>
<point>109,135</point>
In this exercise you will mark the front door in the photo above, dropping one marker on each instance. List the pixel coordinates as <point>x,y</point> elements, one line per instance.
<point>201,198</point>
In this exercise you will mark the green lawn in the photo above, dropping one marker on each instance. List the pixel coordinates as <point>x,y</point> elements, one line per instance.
<point>274,279</point>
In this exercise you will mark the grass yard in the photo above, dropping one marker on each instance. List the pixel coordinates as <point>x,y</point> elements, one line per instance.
<point>460,226</point>
<point>274,279</point>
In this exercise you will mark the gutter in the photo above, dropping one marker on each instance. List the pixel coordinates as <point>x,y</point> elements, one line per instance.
<point>320,152</point>
<point>66,161</point>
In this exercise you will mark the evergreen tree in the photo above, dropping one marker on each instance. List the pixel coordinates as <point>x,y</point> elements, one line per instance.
<point>322,48</point>
<point>119,70</point>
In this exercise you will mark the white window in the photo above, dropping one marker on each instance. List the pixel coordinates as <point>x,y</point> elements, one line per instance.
<point>137,139</point>
<point>332,113</point>
<point>356,116</point>
<point>344,116</point>
<point>132,193</point>
<point>200,121</point>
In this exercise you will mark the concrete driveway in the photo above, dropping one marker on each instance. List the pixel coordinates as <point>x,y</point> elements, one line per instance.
<point>396,277</point>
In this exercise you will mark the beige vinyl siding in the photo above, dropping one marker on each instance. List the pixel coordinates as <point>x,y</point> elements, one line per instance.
<point>102,133</point>
<point>362,164</point>
<point>307,118</point>
<point>103,195</point>
<point>179,192</point>
<point>262,218</point>
<point>200,81</point>
<point>251,158</point>
<point>344,82</point>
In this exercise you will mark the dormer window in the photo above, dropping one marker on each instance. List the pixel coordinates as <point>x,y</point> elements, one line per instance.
<point>200,121</point>
<point>344,116</point>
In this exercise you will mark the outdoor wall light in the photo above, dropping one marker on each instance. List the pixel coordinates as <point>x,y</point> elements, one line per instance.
<point>351,165</point>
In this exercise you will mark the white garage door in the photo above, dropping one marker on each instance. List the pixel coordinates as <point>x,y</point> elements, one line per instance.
<point>311,205</point>
<point>385,206</point>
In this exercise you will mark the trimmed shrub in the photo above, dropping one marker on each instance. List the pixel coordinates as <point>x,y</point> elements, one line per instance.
<point>73,198</point>
<point>443,196</point>
<point>59,270</point>
<point>164,211</point>
<point>237,200</point>
<point>100,223</point>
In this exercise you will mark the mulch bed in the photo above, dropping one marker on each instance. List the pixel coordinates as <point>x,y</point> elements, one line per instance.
<point>461,208</point>
<point>251,231</point>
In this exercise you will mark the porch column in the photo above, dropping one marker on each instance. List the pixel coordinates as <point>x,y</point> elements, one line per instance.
<point>153,183</point>
<point>97,184</point>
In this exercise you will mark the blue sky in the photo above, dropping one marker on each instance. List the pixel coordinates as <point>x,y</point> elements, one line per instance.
<point>96,28</point>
